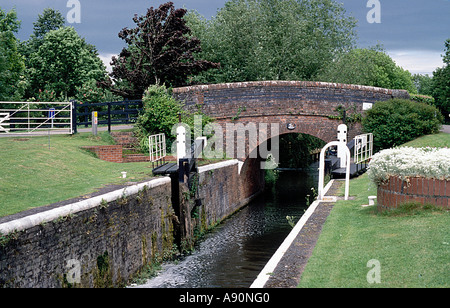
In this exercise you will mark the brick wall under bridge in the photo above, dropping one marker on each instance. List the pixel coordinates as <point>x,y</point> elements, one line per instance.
<point>309,106</point>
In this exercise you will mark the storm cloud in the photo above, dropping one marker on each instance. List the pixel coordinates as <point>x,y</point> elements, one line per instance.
<point>413,32</point>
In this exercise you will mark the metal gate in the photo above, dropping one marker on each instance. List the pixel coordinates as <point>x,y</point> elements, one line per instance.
<point>20,118</point>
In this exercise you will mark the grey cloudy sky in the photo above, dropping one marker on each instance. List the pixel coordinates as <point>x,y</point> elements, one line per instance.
<point>413,32</point>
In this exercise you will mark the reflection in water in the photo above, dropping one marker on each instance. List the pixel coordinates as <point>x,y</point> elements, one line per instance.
<point>234,254</point>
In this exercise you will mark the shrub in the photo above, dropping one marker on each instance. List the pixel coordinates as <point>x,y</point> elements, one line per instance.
<point>398,121</point>
<point>409,162</point>
<point>161,114</point>
<point>160,111</point>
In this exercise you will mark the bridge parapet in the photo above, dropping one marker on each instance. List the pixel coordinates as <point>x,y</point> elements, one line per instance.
<point>276,98</point>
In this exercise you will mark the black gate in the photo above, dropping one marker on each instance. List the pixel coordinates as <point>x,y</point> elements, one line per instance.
<point>111,113</point>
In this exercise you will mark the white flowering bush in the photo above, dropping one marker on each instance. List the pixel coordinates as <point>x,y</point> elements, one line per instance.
<point>407,162</point>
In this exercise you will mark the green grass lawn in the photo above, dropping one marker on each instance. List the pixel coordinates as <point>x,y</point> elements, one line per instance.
<point>441,140</point>
<point>32,175</point>
<point>413,248</point>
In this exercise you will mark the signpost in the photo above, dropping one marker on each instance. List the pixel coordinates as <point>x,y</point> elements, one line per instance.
<point>52,115</point>
<point>95,123</point>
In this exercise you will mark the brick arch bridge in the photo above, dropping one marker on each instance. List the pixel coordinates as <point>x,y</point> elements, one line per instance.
<point>306,107</point>
<point>297,106</point>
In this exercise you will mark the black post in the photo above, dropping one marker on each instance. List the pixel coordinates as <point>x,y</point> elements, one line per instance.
<point>109,117</point>
<point>176,204</point>
<point>86,116</point>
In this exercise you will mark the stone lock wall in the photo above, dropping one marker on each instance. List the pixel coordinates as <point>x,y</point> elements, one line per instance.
<point>105,241</point>
<point>224,188</point>
<point>101,246</point>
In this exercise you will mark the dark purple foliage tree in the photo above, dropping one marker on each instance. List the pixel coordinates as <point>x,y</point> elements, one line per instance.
<point>160,51</point>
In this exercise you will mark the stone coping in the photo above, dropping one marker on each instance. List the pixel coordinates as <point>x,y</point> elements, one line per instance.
<point>64,211</point>
<point>303,84</point>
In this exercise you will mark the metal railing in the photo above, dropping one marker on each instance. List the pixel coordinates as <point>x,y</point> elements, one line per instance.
<point>109,113</point>
<point>363,148</point>
<point>31,118</point>
<point>157,147</point>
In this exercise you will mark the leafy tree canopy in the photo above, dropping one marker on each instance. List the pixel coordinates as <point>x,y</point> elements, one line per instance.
<point>49,20</point>
<point>159,51</point>
<point>64,62</point>
<point>370,67</point>
<point>272,39</point>
<point>441,84</point>
<point>9,21</point>
<point>12,64</point>
<point>424,84</point>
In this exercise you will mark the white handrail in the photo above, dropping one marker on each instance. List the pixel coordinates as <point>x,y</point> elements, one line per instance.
<point>322,169</point>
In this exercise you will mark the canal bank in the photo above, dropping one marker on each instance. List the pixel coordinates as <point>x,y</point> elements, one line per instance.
<point>234,253</point>
<point>106,240</point>
<point>285,268</point>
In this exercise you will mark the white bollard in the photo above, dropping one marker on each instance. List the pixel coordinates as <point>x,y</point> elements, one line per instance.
<point>181,142</point>
<point>342,138</point>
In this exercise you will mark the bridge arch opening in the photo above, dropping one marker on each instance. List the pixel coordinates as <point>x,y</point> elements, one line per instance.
<point>295,153</point>
<point>289,151</point>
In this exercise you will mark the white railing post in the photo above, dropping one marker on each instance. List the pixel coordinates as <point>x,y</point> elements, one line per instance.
<point>322,170</point>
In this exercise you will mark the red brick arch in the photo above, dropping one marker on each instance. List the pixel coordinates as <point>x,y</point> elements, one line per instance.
<point>309,106</point>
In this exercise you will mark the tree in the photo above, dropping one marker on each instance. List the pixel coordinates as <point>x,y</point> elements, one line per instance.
<point>423,83</point>
<point>441,84</point>
<point>159,51</point>
<point>12,64</point>
<point>370,67</point>
<point>49,20</point>
<point>272,39</point>
<point>64,62</point>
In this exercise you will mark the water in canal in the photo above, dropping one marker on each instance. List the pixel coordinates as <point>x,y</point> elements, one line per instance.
<point>234,253</point>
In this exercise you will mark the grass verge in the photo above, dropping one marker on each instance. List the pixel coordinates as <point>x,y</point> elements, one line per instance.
<point>412,244</point>
<point>33,175</point>
<point>441,140</point>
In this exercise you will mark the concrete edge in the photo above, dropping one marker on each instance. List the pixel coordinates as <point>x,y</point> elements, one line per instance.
<point>48,216</point>
<point>270,267</point>
<point>218,165</point>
